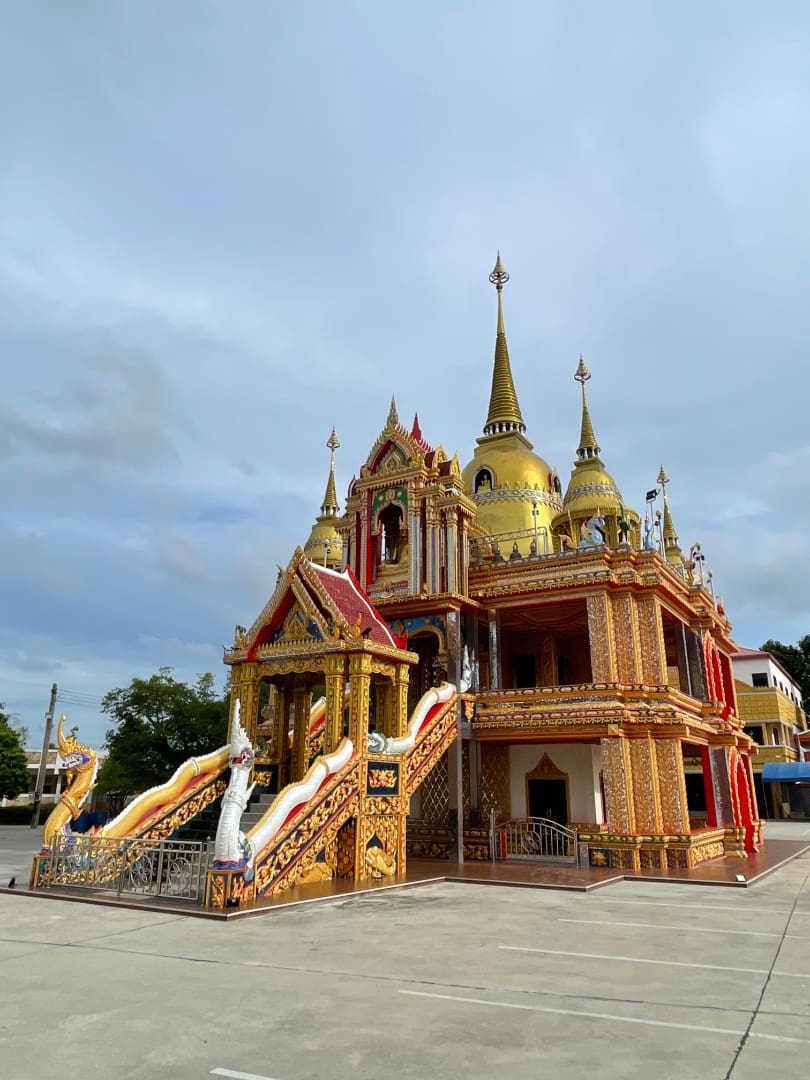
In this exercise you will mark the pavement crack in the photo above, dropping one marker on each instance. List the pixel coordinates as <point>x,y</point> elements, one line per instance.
<point>758,1007</point>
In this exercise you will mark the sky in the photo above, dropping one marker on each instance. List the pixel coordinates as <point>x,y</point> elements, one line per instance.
<point>225,228</point>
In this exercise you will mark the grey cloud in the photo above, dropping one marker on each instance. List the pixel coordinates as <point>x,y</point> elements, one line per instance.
<point>112,411</point>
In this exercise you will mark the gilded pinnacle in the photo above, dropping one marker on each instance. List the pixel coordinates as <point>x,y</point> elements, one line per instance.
<point>330,504</point>
<point>504,411</point>
<point>393,415</point>
<point>588,446</point>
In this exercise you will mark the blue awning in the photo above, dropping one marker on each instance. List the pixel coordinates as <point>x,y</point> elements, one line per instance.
<point>786,770</point>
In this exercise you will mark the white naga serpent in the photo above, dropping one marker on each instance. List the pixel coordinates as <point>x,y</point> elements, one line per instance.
<point>231,846</point>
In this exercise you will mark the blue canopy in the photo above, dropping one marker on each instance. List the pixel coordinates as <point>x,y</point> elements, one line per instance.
<point>786,770</point>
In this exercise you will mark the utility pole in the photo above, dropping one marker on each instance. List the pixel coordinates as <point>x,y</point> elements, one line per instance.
<point>43,761</point>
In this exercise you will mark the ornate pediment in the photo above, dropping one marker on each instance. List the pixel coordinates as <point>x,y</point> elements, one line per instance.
<point>298,628</point>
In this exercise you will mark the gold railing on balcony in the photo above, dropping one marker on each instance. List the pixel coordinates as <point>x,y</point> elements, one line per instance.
<point>763,754</point>
<point>587,703</point>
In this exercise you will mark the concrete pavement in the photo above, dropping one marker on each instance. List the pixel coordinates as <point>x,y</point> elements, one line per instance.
<point>638,980</point>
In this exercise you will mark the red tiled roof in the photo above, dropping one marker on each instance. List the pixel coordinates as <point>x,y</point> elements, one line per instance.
<point>352,603</point>
<point>752,654</point>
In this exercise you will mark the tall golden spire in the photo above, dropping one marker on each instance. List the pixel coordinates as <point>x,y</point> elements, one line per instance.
<point>504,411</point>
<point>588,446</point>
<point>330,505</point>
<point>672,549</point>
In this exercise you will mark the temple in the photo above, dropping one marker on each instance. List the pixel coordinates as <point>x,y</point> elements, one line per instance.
<point>470,662</point>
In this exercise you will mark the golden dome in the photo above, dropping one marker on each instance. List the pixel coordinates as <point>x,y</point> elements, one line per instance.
<point>506,480</point>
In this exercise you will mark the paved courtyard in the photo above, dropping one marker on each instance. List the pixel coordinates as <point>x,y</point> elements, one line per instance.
<point>451,980</point>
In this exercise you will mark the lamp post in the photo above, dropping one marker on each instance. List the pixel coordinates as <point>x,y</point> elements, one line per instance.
<point>535,512</point>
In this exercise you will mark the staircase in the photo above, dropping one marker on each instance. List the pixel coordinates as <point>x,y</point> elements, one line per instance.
<point>257,808</point>
<point>305,833</point>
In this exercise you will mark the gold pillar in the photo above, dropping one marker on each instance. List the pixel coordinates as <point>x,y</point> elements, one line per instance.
<point>383,691</point>
<point>651,639</point>
<point>245,690</point>
<point>672,785</point>
<point>335,678</point>
<point>400,704</point>
<point>625,639</point>
<point>280,733</point>
<point>646,797</point>
<point>302,703</point>
<point>359,686</point>
<point>618,776</point>
<point>600,635</point>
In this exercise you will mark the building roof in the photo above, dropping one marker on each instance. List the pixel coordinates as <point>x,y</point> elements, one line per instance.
<point>755,654</point>
<point>353,604</point>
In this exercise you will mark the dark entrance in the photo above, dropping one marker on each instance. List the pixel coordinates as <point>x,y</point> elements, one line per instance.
<point>523,669</point>
<point>422,674</point>
<point>549,799</point>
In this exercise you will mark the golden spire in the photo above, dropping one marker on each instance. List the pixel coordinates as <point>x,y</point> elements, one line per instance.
<point>672,549</point>
<point>504,411</point>
<point>393,415</point>
<point>330,505</point>
<point>588,446</point>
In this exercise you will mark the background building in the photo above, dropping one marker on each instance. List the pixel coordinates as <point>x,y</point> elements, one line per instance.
<point>769,702</point>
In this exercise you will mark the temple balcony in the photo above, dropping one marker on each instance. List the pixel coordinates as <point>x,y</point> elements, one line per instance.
<point>591,710</point>
<point>763,754</point>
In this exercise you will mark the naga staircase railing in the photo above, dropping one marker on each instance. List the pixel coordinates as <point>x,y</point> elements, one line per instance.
<point>292,850</point>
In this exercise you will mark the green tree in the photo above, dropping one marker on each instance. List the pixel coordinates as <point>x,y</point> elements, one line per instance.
<point>158,724</point>
<point>14,777</point>
<point>795,659</point>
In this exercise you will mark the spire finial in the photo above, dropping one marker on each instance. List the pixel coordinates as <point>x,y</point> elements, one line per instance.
<point>332,444</point>
<point>393,415</point>
<point>499,276</point>
<point>588,446</point>
<point>669,534</point>
<point>330,504</point>
<point>504,411</point>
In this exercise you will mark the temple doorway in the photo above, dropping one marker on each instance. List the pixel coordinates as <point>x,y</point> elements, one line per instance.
<point>548,799</point>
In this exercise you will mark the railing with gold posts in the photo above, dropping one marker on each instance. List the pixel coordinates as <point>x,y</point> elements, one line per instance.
<point>587,705</point>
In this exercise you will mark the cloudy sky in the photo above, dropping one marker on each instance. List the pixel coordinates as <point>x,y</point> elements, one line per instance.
<point>226,227</point>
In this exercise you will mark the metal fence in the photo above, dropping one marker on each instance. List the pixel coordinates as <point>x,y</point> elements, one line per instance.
<point>536,840</point>
<point>172,869</point>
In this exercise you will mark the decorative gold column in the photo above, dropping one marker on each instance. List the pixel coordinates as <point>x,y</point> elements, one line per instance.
<point>451,517</point>
<point>646,797</point>
<point>245,689</point>
<point>335,678</point>
<point>651,638</point>
<point>400,703</point>
<point>618,776</point>
<point>281,729</point>
<point>302,703</point>
<point>600,635</point>
<point>625,639</point>
<point>672,785</point>
<point>359,686</point>
<point>384,711</point>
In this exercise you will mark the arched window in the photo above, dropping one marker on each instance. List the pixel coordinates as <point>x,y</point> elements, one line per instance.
<point>484,481</point>
<point>391,524</point>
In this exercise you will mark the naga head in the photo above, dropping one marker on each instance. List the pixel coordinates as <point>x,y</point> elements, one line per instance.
<point>76,757</point>
<point>241,746</point>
